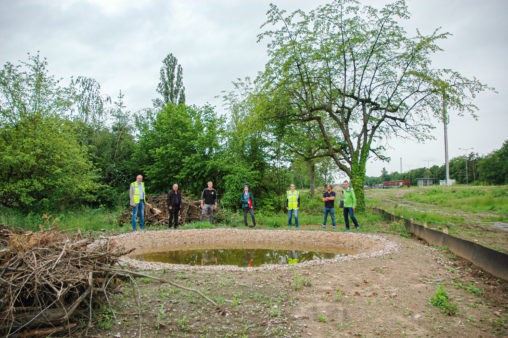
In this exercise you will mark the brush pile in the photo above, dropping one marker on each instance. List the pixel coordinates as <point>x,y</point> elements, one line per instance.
<point>50,280</point>
<point>157,213</point>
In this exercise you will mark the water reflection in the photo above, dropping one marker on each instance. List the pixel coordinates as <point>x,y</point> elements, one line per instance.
<point>238,257</point>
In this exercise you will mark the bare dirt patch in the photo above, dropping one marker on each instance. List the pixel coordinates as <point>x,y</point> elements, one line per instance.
<point>389,295</point>
<point>378,296</point>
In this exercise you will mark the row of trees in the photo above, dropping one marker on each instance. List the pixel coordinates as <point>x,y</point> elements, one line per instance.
<point>64,145</point>
<point>339,80</point>
<point>471,168</point>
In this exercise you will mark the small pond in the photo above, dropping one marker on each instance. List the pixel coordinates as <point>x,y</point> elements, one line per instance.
<point>237,257</point>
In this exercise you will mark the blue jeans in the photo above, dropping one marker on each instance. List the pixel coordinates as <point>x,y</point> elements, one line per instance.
<point>140,207</point>
<point>290,217</point>
<point>346,218</point>
<point>330,211</point>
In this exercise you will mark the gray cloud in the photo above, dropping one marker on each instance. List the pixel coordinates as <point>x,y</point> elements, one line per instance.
<point>121,44</point>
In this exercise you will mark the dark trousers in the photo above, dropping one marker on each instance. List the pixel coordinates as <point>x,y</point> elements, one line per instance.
<point>173,215</point>
<point>251,211</point>
<point>349,211</point>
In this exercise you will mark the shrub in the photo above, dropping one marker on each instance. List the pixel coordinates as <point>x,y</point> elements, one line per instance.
<point>442,300</point>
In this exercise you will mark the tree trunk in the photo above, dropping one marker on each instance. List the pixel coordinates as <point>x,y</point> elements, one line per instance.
<point>312,178</point>
<point>358,180</point>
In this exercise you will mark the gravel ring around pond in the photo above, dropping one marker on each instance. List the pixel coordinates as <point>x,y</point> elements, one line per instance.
<point>368,245</point>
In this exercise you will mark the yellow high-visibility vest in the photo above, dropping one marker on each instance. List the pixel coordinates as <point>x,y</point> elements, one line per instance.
<point>135,196</point>
<point>292,200</point>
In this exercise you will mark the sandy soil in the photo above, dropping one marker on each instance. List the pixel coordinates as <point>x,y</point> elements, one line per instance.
<point>389,295</point>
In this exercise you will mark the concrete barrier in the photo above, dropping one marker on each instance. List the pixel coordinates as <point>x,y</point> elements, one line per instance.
<point>492,261</point>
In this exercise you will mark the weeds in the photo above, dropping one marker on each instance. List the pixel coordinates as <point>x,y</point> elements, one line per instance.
<point>322,318</point>
<point>442,300</point>
<point>299,282</point>
<point>470,287</point>
<point>274,310</point>
<point>182,323</point>
<point>105,318</point>
<point>161,318</point>
<point>338,295</point>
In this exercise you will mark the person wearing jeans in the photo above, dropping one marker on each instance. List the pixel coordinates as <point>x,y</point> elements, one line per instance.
<point>208,202</point>
<point>349,205</point>
<point>329,199</point>
<point>137,200</point>
<point>248,205</point>
<point>292,205</point>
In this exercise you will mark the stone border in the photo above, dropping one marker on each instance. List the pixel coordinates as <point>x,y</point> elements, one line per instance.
<point>150,241</point>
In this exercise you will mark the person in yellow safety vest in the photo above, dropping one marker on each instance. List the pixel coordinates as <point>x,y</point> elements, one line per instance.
<point>137,197</point>
<point>292,205</point>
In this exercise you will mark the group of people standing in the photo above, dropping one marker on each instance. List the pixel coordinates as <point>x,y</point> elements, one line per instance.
<point>208,203</point>
<point>348,204</point>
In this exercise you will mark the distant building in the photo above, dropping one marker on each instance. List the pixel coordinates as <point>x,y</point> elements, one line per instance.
<point>423,182</point>
<point>450,182</point>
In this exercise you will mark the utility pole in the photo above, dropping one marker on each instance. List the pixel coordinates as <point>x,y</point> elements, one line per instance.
<point>445,122</point>
<point>467,158</point>
<point>401,165</point>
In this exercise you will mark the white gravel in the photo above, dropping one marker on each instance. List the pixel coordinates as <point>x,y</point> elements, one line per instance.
<point>365,245</point>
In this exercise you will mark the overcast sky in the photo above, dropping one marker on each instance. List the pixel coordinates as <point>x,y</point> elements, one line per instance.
<point>121,43</point>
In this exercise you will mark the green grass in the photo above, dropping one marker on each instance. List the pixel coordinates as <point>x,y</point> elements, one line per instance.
<point>104,219</point>
<point>476,199</point>
<point>84,219</point>
<point>467,212</point>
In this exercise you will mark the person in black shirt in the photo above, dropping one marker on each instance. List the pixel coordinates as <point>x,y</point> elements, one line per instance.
<point>208,202</point>
<point>174,201</point>
<point>329,199</point>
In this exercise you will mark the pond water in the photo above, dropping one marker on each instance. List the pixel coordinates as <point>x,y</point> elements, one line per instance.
<point>238,257</point>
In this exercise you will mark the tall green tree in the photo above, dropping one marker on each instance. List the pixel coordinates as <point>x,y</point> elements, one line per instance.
<point>28,89</point>
<point>493,168</point>
<point>254,152</point>
<point>180,146</point>
<point>170,85</point>
<point>355,71</point>
<point>44,166</point>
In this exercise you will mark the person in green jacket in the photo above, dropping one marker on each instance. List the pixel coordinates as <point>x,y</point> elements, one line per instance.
<point>349,205</point>
<point>248,205</point>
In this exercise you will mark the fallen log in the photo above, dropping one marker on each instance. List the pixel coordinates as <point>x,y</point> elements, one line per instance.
<point>47,332</point>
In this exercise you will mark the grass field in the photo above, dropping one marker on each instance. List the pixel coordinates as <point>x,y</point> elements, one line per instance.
<point>100,221</point>
<point>476,213</point>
